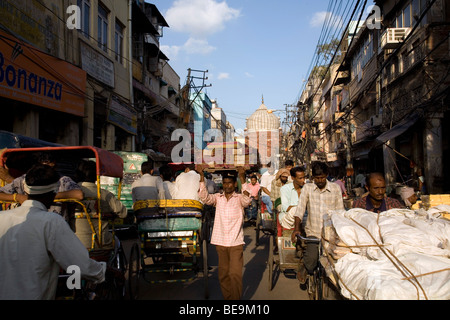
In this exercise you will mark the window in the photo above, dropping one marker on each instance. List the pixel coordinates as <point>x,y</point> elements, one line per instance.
<point>404,18</point>
<point>418,7</point>
<point>102,28</point>
<point>407,17</point>
<point>118,39</point>
<point>85,7</point>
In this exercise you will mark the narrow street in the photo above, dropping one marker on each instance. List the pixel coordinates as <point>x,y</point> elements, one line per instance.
<point>255,278</point>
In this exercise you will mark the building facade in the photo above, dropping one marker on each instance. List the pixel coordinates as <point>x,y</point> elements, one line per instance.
<point>388,97</point>
<point>87,72</point>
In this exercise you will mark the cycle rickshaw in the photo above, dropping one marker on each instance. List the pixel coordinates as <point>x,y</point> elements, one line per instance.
<point>174,238</point>
<point>107,164</point>
<point>282,252</point>
<point>265,222</point>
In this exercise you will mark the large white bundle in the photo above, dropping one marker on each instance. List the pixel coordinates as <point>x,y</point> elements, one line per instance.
<point>419,242</point>
<point>381,280</point>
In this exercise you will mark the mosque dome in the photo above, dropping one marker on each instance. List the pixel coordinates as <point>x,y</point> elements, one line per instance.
<point>263,119</point>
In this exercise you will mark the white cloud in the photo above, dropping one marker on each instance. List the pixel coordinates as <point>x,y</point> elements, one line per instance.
<point>171,51</point>
<point>200,18</point>
<point>197,46</point>
<point>191,46</point>
<point>223,76</point>
<point>249,75</point>
<point>319,19</point>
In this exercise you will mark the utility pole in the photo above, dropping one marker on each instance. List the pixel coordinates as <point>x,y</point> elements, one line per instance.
<point>350,171</point>
<point>307,127</point>
<point>187,89</point>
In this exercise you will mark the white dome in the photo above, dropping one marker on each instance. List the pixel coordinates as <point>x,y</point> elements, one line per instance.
<point>262,119</point>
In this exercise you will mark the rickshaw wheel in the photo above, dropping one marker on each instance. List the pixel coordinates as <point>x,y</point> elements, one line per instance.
<point>205,267</point>
<point>271,262</point>
<point>258,227</point>
<point>133,272</point>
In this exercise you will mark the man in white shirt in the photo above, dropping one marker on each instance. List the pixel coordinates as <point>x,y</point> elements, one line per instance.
<point>187,184</point>
<point>109,205</point>
<point>148,187</point>
<point>266,185</point>
<point>169,187</point>
<point>290,194</point>
<point>35,243</point>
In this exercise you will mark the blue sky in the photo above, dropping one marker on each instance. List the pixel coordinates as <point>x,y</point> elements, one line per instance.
<point>250,48</point>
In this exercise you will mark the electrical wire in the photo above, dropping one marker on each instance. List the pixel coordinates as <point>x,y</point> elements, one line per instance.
<point>345,118</point>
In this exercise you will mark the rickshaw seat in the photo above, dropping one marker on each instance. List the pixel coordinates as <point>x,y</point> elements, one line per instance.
<point>156,209</point>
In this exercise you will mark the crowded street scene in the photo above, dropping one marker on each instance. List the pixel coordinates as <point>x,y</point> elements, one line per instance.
<point>285,152</point>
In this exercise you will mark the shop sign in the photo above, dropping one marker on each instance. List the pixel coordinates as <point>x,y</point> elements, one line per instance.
<point>122,115</point>
<point>32,76</point>
<point>97,65</point>
<point>332,157</point>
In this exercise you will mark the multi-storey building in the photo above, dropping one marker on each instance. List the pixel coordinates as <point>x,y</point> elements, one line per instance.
<point>87,72</point>
<point>390,96</point>
<point>414,56</point>
<point>156,85</point>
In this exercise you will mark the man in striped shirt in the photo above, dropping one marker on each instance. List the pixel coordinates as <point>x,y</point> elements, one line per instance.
<point>228,232</point>
<point>316,198</point>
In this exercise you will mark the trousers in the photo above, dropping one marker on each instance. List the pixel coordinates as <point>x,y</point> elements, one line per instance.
<point>311,257</point>
<point>231,263</point>
<point>268,203</point>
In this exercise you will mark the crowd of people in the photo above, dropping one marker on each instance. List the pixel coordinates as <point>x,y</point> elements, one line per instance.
<point>41,231</point>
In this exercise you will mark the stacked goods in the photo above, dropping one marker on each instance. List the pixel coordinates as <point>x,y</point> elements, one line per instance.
<point>397,254</point>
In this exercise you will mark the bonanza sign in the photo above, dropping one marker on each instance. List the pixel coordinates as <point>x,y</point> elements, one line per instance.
<point>31,76</point>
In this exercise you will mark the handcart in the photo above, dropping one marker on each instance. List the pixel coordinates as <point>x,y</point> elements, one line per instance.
<point>265,222</point>
<point>284,258</point>
<point>108,164</point>
<point>174,240</point>
<point>396,254</point>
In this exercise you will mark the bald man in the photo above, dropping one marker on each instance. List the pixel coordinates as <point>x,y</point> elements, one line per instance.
<point>376,200</point>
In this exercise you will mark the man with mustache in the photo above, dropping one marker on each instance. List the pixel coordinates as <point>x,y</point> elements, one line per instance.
<point>376,200</point>
<point>316,198</point>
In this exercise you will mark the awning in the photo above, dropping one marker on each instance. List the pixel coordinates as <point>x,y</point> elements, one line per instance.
<point>154,51</point>
<point>397,130</point>
<point>361,150</point>
<point>140,22</point>
<point>361,153</point>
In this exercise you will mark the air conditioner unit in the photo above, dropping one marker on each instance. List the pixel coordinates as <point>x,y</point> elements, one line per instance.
<point>375,120</point>
<point>392,37</point>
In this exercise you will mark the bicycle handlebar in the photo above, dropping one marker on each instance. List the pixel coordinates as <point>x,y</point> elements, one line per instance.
<point>311,239</point>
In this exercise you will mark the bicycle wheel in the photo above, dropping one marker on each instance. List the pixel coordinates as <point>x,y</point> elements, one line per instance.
<point>133,272</point>
<point>258,227</point>
<point>318,275</point>
<point>315,285</point>
<point>310,287</point>
<point>120,264</point>
<point>205,267</point>
<point>270,263</point>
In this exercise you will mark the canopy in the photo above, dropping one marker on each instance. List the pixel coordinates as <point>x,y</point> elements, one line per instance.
<point>108,163</point>
<point>398,129</point>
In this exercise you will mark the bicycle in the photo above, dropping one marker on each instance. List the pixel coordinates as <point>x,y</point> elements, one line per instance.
<point>314,282</point>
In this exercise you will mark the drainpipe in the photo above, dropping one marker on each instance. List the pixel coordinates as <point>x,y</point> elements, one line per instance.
<point>130,62</point>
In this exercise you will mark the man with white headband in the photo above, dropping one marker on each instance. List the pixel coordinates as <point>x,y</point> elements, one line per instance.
<point>67,188</point>
<point>35,243</point>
